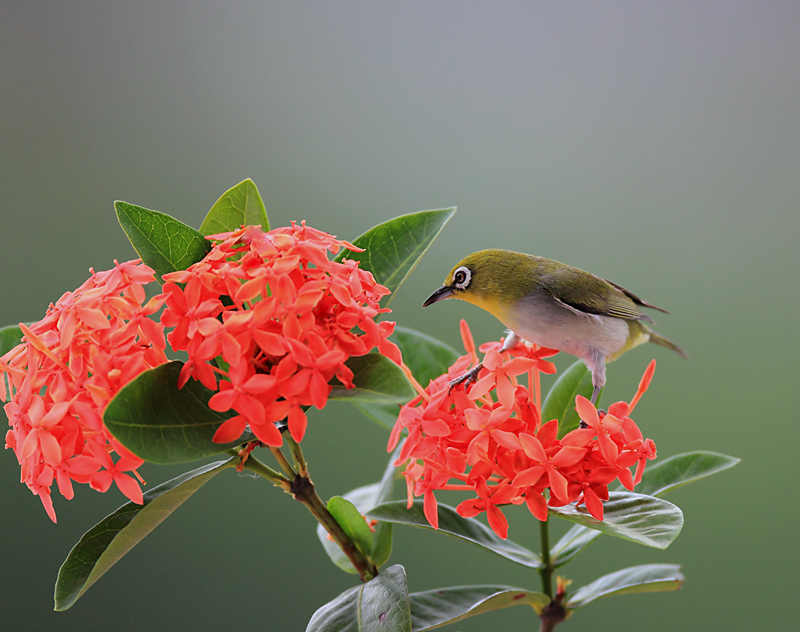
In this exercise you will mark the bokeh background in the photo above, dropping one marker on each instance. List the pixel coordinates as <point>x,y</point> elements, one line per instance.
<point>655,144</point>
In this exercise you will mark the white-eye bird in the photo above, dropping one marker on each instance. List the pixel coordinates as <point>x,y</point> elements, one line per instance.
<point>553,305</point>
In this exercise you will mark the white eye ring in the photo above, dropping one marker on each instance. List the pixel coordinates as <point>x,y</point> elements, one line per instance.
<point>461,278</point>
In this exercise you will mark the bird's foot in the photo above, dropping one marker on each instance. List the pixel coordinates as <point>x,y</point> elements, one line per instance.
<point>467,378</point>
<point>583,425</point>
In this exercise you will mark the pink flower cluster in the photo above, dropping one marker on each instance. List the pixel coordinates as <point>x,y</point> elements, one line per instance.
<point>283,318</point>
<point>490,439</point>
<point>90,344</point>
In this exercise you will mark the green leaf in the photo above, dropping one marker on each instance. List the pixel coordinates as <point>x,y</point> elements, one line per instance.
<point>658,479</point>
<point>642,519</point>
<point>161,423</point>
<point>383,544</point>
<point>572,543</point>
<point>636,579</point>
<point>377,380</point>
<point>393,249</point>
<point>352,523</point>
<point>435,608</point>
<point>682,469</point>
<point>560,401</point>
<point>238,206</point>
<point>104,544</point>
<point>383,530</point>
<point>427,358</point>
<point>450,523</point>
<point>365,498</point>
<point>163,243</point>
<point>380,605</point>
<point>383,414</point>
<point>10,337</point>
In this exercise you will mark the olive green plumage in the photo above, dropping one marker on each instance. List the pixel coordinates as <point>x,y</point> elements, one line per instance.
<point>554,305</point>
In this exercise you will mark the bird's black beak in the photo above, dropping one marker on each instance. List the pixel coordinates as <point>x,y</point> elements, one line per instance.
<point>439,295</point>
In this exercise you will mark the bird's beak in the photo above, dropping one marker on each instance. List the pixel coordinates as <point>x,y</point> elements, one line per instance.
<point>439,295</point>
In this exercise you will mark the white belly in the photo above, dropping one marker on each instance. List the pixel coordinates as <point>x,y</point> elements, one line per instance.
<point>549,323</point>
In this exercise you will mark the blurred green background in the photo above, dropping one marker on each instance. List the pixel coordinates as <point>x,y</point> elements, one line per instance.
<point>655,144</point>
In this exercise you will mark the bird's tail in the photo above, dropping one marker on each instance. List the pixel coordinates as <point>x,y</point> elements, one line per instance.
<point>665,342</point>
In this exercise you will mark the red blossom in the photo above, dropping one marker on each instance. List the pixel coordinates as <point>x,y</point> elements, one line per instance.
<point>491,441</point>
<point>91,343</point>
<point>282,317</point>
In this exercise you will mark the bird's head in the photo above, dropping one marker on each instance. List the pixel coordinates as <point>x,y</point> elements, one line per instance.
<point>493,280</point>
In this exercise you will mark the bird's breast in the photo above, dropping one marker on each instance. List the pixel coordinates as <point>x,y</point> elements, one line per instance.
<point>541,319</point>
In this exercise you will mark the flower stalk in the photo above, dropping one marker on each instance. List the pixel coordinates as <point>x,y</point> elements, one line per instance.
<point>554,613</point>
<point>283,461</point>
<point>547,563</point>
<point>263,470</point>
<point>300,465</point>
<point>303,490</point>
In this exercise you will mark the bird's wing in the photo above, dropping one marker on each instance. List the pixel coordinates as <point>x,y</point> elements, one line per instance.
<point>590,294</point>
<point>636,299</point>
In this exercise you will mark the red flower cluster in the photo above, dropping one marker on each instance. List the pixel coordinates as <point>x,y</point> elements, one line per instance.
<point>90,344</point>
<point>499,448</point>
<point>283,318</point>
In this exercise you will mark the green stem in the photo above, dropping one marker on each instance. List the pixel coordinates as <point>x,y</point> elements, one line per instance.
<point>303,490</point>
<point>547,569</point>
<point>283,462</point>
<point>554,613</point>
<point>297,456</point>
<point>256,466</point>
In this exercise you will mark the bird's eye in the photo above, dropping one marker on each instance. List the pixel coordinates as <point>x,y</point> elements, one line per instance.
<point>462,277</point>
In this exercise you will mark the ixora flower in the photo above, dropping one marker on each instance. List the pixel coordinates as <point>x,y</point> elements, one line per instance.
<point>282,318</point>
<point>57,383</point>
<point>490,440</point>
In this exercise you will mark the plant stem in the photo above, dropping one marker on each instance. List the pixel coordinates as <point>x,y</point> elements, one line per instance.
<point>297,456</point>
<point>303,490</point>
<point>547,570</point>
<point>554,612</point>
<point>551,616</point>
<point>256,466</point>
<point>281,459</point>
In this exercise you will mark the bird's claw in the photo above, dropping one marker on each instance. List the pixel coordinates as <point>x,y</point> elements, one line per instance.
<point>467,378</point>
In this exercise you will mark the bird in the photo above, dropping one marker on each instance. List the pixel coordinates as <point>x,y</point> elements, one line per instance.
<point>553,305</point>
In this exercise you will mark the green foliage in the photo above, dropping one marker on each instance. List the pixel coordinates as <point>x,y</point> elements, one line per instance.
<point>450,523</point>
<point>380,605</point>
<point>427,358</point>
<point>161,423</point>
<point>560,401</point>
<point>571,543</point>
<point>163,243</point>
<point>238,206</point>
<point>659,478</point>
<point>104,544</point>
<point>10,337</point>
<point>393,249</point>
<point>682,469</point>
<point>352,523</point>
<point>642,519</point>
<point>636,579</point>
<point>365,498</point>
<point>377,380</point>
<point>435,608</point>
